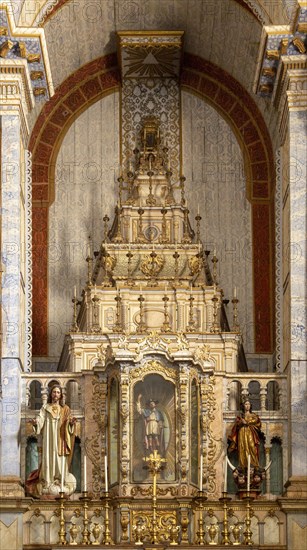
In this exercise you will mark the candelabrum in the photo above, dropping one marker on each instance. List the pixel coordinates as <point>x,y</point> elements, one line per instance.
<point>150,201</point>
<point>85,499</point>
<point>182,180</point>
<point>176,268</point>
<point>215,325</point>
<point>186,238</point>
<point>96,327</point>
<point>106,220</point>
<point>154,265</point>
<point>198,218</point>
<point>142,326</point>
<point>118,324</point>
<point>169,199</point>
<point>120,190</point>
<point>130,175</point>
<point>155,463</point>
<point>191,323</point>
<point>166,325</point>
<point>74,327</point>
<point>248,533</point>
<point>235,323</point>
<point>163,238</point>
<point>130,281</point>
<point>107,533</point>
<point>225,532</point>
<point>89,261</point>
<point>214,268</point>
<point>200,499</point>
<point>106,279</point>
<point>62,534</point>
<point>140,238</point>
<point>118,237</point>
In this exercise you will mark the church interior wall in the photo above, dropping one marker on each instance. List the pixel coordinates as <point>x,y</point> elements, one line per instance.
<point>86,172</point>
<point>87,168</point>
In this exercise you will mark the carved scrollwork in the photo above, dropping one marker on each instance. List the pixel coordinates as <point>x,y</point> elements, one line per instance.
<point>156,367</point>
<point>152,266</point>
<point>212,447</point>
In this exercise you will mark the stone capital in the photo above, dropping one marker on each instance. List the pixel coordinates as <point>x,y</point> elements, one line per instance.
<point>16,95</point>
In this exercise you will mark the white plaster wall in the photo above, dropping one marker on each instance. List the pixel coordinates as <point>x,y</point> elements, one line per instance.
<point>85,190</point>
<point>213,166</point>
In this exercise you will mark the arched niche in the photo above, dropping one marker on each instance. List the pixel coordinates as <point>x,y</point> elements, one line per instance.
<point>157,400</point>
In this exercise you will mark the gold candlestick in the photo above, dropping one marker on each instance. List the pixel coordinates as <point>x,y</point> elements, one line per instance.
<point>169,199</point>
<point>182,180</point>
<point>140,238</point>
<point>214,269</point>
<point>186,238</point>
<point>106,219</point>
<point>74,327</point>
<point>166,325</point>
<point>176,257</point>
<point>225,532</point>
<point>153,280</point>
<point>106,280</point>
<point>107,533</point>
<point>198,218</point>
<point>142,325</point>
<point>236,326</point>
<point>155,463</point>
<point>200,499</point>
<point>151,201</point>
<point>96,327</point>
<point>130,281</point>
<point>215,326</point>
<point>248,533</point>
<point>85,499</point>
<point>118,237</point>
<point>62,534</point>
<point>118,325</point>
<point>163,238</point>
<point>89,261</point>
<point>191,323</point>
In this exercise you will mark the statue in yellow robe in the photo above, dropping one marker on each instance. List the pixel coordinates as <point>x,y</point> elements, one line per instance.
<point>245,437</point>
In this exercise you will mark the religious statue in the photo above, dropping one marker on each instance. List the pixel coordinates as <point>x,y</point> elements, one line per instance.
<point>153,425</point>
<point>57,426</point>
<point>245,437</point>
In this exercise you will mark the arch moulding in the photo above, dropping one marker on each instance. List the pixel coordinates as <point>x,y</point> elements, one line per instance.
<point>101,77</point>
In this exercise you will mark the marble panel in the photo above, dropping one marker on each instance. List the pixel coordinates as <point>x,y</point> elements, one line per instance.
<point>213,166</point>
<point>298,374</point>
<point>10,233</point>
<point>10,424</point>
<point>85,190</point>
<point>298,230</point>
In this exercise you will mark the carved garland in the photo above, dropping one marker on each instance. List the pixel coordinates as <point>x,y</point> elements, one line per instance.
<point>211,447</point>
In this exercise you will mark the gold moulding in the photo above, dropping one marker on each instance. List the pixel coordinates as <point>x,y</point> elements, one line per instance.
<point>39,91</point>
<point>33,58</point>
<point>6,47</point>
<point>37,75</point>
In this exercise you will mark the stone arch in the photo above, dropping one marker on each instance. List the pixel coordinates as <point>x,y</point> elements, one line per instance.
<point>101,77</point>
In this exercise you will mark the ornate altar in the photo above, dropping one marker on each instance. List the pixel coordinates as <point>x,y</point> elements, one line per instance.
<point>148,368</point>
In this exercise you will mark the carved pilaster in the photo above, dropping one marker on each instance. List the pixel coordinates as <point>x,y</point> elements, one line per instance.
<point>125,430</point>
<point>183,419</point>
<point>211,447</point>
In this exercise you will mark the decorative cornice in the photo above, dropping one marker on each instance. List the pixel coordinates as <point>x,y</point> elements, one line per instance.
<point>28,45</point>
<point>277,43</point>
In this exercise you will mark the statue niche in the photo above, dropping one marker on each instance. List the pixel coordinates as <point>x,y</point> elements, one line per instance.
<point>154,426</point>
